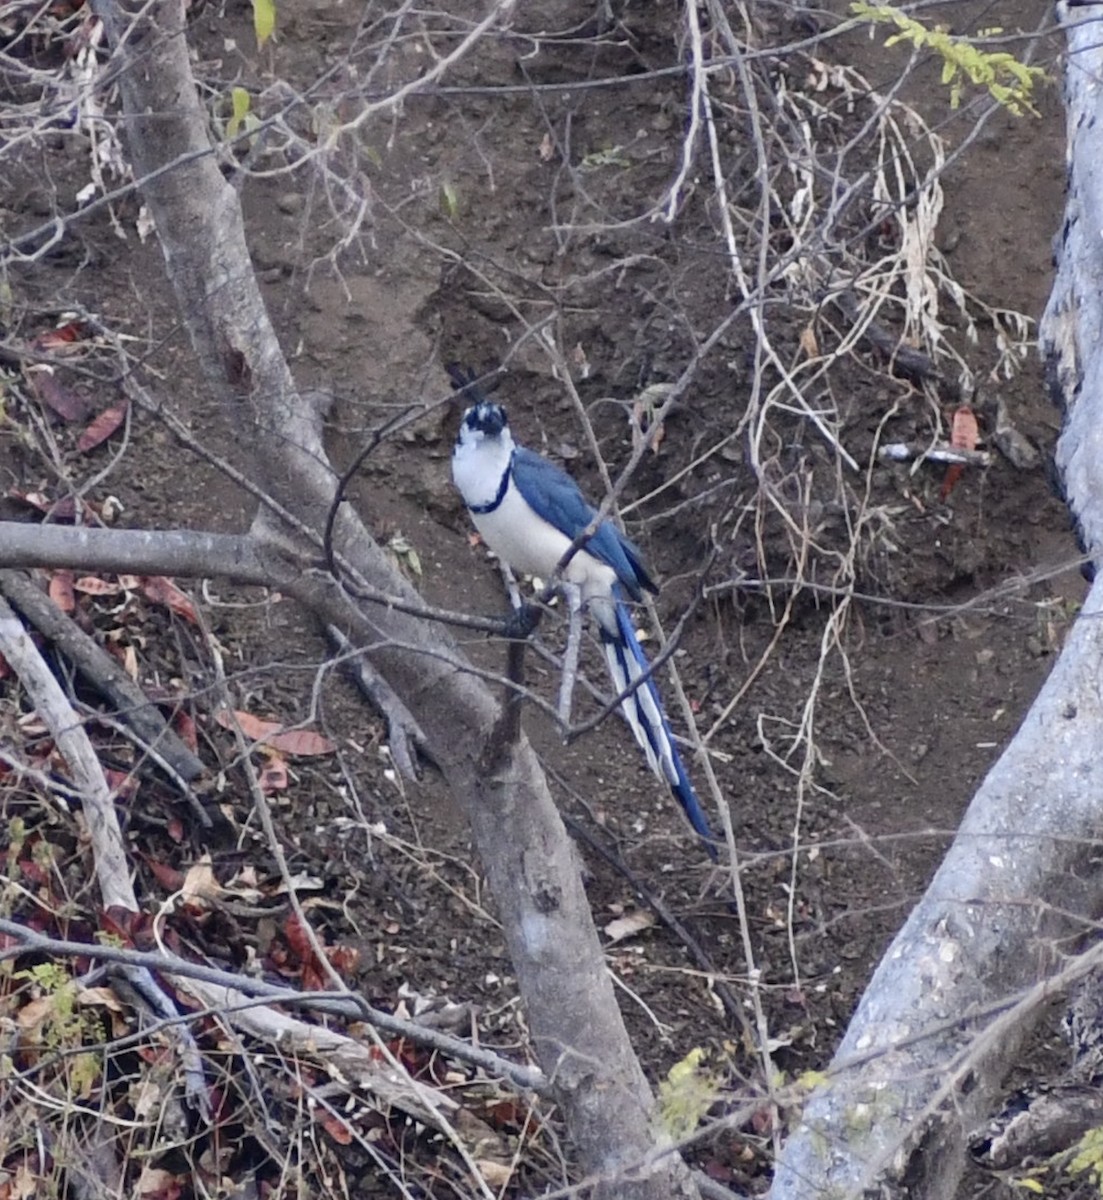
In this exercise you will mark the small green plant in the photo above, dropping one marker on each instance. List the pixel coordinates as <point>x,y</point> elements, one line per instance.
<point>1009,82</point>
<point>241,102</point>
<point>1088,1159</point>
<point>612,156</point>
<point>264,20</point>
<point>686,1094</point>
<point>449,205</point>
<point>54,1024</point>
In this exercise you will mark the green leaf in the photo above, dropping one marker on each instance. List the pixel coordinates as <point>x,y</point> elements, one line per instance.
<point>449,201</point>
<point>241,101</point>
<point>264,19</point>
<point>1009,82</point>
<point>686,1094</point>
<point>402,548</point>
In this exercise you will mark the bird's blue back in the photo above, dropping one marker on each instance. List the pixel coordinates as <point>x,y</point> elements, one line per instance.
<point>553,495</point>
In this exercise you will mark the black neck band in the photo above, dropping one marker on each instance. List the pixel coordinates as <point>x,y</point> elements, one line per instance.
<point>503,487</point>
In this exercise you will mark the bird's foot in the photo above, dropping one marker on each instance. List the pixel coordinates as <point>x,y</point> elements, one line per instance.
<point>522,621</point>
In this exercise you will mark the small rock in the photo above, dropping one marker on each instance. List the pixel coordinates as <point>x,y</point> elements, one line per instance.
<point>290,203</point>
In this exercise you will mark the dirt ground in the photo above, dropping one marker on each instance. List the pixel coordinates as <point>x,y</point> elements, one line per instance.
<point>846,750</point>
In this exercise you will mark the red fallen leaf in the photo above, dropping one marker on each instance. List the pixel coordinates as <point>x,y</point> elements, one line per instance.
<point>718,1171</point>
<point>184,724</point>
<point>218,1103</point>
<point>61,591</point>
<point>156,1056</point>
<point>91,585</point>
<point>123,783</point>
<point>312,978</point>
<point>36,500</point>
<point>58,398</point>
<point>964,431</point>
<point>764,1121</point>
<point>296,938</point>
<point>169,878</point>
<point>124,925</point>
<point>64,509</point>
<point>33,872</point>
<point>343,959</point>
<point>58,341</point>
<point>252,727</point>
<point>337,1129</point>
<point>100,428</point>
<point>302,743</point>
<point>176,829</point>
<point>161,590</point>
<point>506,1113</point>
<point>964,435</point>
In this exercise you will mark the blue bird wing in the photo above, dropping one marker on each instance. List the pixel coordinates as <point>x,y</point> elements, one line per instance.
<point>553,495</point>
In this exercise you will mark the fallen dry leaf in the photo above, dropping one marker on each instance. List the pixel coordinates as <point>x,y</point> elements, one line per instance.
<point>302,743</point>
<point>168,877</point>
<point>964,435</point>
<point>61,591</point>
<point>61,340</point>
<point>200,884</point>
<point>90,585</point>
<point>252,727</point>
<point>145,1097</point>
<point>155,1183</point>
<point>101,996</point>
<point>184,724</point>
<point>337,1129</point>
<point>161,590</point>
<point>58,398</point>
<point>496,1174</point>
<point>964,431</point>
<point>34,1014</point>
<point>100,428</point>
<point>627,926</point>
<point>25,1184</point>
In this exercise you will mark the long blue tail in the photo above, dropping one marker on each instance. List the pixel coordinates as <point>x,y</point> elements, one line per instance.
<point>643,710</point>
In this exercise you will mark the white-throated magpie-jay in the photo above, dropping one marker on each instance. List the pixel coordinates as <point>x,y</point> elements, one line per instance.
<point>528,512</point>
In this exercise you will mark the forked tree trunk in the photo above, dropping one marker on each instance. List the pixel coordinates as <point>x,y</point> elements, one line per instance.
<point>924,1058</point>
<point>576,1026</point>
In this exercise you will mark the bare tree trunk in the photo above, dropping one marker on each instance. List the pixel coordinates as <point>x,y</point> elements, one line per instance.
<point>577,1029</point>
<point>922,1061</point>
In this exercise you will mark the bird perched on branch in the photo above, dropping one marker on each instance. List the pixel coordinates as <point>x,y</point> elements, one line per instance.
<point>529,513</point>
